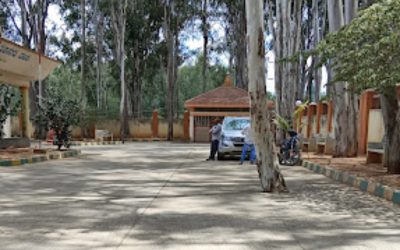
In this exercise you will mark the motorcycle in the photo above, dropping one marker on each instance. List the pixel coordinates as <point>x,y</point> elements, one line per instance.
<point>289,154</point>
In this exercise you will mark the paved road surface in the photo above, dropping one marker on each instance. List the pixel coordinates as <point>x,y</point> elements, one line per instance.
<point>165,196</point>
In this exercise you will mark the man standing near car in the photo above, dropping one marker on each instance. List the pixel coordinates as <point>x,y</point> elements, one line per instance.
<point>215,132</point>
<point>248,142</point>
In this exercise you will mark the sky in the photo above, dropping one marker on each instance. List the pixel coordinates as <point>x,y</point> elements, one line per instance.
<point>196,43</point>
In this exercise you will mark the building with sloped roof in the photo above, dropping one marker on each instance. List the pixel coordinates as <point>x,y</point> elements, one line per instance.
<point>221,102</point>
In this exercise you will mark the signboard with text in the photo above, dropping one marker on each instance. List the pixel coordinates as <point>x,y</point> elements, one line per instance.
<point>19,65</point>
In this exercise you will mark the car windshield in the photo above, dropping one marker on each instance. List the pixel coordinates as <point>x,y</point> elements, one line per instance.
<point>235,124</point>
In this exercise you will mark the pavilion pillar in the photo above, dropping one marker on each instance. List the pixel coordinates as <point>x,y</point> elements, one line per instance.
<point>312,109</point>
<point>155,124</point>
<point>186,125</point>
<point>191,125</point>
<point>366,104</point>
<point>25,111</point>
<point>320,110</point>
<point>330,116</point>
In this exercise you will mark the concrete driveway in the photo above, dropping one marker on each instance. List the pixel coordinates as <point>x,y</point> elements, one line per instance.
<point>165,196</point>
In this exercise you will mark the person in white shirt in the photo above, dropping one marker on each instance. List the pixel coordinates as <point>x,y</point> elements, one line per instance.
<point>215,137</point>
<point>248,142</point>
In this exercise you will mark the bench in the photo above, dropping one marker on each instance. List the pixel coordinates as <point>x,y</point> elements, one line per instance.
<point>309,144</point>
<point>326,144</point>
<point>376,151</point>
<point>101,135</point>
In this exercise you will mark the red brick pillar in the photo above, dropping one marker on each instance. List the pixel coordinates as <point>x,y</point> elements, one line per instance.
<point>186,125</point>
<point>320,110</point>
<point>155,124</point>
<point>366,104</point>
<point>312,109</point>
<point>330,116</point>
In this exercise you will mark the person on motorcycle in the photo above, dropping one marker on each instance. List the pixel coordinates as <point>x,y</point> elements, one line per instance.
<point>291,143</point>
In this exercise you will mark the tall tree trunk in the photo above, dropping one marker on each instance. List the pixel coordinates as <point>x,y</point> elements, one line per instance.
<point>391,119</point>
<point>302,79</point>
<point>83,52</point>
<point>99,53</point>
<point>119,26</point>
<point>241,46</point>
<point>137,83</point>
<point>268,168</point>
<point>169,11</point>
<point>287,37</point>
<point>176,55</point>
<point>105,94</point>
<point>351,10</point>
<point>205,43</point>
<point>345,102</point>
<point>83,66</point>
<point>124,97</point>
<point>318,71</point>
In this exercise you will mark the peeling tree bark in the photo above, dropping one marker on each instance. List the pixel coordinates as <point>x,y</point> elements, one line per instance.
<point>241,49</point>
<point>238,45</point>
<point>119,26</point>
<point>268,168</point>
<point>98,23</point>
<point>317,39</point>
<point>169,34</point>
<point>205,43</point>
<point>83,53</point>
<point>345,114</point>
<point>287,37</point>
<point>391,118</point>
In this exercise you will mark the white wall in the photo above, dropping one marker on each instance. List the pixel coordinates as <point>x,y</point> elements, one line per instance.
<point>376,127</point>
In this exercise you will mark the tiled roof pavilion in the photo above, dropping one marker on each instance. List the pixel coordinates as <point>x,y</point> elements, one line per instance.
<point>221,102</point>
<point>225,96</point>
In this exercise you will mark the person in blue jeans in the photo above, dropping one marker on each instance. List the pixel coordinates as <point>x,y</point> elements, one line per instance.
<point>215,132</point>
<point>248,142</point>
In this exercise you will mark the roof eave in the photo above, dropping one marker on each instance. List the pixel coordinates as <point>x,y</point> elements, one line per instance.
<point>216,105</point>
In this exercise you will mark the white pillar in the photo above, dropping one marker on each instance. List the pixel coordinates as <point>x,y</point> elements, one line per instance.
<point>191,128</point>
<point>7,128</point>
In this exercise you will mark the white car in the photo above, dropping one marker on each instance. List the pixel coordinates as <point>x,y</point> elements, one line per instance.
<point>232,140</point>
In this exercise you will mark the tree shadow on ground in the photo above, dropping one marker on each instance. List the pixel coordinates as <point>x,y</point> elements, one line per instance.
<point>122,197</point>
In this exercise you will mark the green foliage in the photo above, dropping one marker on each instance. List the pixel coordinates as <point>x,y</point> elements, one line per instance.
<point>190,79</point>
<point>9,105</point>
<point>366,53</point>
<point>271,97</point>
<point>283,124</point>
<point>301,108</point>
<point>58,113</point>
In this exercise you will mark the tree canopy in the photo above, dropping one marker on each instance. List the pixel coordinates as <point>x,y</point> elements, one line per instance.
<point>365,53</point>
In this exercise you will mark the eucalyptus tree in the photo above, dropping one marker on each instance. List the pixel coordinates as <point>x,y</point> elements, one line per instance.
<point>285,24</point>
<point>345,115</point>
<point>365,54</point>
<point>268,168</point>
<point>118,18</point>
<point>142,36</point>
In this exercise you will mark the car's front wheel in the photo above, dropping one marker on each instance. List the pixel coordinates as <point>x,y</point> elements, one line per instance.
<point>220,156</point>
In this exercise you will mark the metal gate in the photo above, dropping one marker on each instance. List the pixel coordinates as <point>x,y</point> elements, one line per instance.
<point>202,126</point>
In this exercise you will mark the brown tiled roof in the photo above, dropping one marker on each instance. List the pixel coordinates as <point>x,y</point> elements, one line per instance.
<point>221,97</point>
<point>225,96</point>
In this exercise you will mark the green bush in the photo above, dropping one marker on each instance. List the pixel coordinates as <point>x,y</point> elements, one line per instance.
<point>58,113</point>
